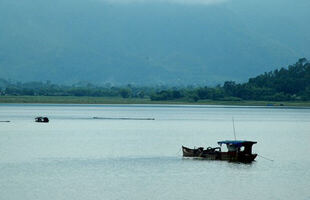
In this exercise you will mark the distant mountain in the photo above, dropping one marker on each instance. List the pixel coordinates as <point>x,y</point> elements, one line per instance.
<point>149,42</point>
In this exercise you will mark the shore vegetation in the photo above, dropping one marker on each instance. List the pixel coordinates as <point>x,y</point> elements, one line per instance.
<point>285,86</point>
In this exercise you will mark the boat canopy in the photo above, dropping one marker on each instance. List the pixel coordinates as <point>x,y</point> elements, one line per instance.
<point>236,143</point>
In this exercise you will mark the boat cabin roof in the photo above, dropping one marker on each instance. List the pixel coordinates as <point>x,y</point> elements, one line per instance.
<point>237,143</point>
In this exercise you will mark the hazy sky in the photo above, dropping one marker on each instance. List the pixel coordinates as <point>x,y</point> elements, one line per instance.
<point>202,2</point>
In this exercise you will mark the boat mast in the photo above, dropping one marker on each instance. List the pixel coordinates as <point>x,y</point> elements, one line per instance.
<point>234,127</point>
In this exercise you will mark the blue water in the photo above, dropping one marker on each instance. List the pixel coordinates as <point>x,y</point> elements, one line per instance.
<point>77,157</point>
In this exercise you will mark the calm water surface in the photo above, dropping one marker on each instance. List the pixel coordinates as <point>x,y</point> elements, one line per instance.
<point>77,157</point>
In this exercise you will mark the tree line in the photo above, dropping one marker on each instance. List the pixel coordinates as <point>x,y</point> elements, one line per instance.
<point>285,84</point>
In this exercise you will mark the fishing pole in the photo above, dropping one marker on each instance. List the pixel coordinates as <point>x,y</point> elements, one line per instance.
<point>178,151</point>
<point>266,158</point>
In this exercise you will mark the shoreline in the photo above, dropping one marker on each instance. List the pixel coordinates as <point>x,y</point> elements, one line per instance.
<point>119,100</point>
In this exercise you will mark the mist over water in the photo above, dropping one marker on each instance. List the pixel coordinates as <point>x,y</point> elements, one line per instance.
<point>77,157</point>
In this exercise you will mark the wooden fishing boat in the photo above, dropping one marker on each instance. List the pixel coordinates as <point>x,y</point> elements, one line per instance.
<point>238,151</point>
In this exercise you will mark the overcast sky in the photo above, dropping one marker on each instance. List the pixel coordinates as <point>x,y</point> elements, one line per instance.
<point>202,2</point>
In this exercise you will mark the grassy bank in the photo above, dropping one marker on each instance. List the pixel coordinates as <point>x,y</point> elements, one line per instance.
<point>119,100</point>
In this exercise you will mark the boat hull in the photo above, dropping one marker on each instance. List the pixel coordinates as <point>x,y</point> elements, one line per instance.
<point>187,152</point>
<point>218,155</point>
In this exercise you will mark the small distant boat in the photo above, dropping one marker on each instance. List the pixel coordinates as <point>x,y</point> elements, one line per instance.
<point>42,119</point>
<point>238,151</point>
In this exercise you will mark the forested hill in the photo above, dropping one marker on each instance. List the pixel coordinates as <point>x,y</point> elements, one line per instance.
<point>294,80</point>
<point>285,84</point>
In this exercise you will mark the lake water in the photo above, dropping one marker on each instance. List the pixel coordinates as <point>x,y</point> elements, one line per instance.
<point>77,157</point>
